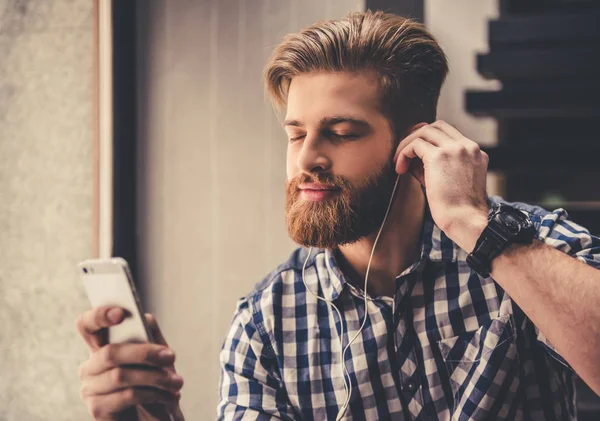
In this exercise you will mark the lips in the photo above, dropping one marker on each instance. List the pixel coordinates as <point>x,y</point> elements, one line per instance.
<point>315,192</point>
<point>317,187</point>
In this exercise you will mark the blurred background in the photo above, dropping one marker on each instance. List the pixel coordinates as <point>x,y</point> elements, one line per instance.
<point>140,129</point>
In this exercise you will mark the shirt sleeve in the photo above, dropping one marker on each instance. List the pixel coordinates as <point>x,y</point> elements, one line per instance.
<point>250,388</point>
<point>571,238</point>
<point>555,230</point>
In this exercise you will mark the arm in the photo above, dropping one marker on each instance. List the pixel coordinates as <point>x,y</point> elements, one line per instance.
<point>556,282</point>
<point>249,386</point>
<point>560,294</point>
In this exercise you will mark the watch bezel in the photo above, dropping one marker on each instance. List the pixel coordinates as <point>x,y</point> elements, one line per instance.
<point>496,237</point>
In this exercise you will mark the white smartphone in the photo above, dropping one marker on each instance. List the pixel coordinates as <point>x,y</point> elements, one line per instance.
<point>108,282</point>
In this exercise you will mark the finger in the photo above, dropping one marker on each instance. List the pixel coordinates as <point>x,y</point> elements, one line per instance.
<point>104,406</point>
<point>418,148</point>
<point>414,128</point>
<point>161,412</point>
<point>404,142</point>
<point>176,412</point>
<point>434,135</point>
<point>470,146</point>
<point>449,129</point>
<point>409,134</point>
<point>122,377</point>
<point>113,355</point>
<point>417,171</point>
<point>427,132</point>
<point>156,333</point>
<point>93,323</point>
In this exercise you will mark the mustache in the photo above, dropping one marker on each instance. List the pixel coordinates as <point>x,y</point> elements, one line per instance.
<point>320,178</point>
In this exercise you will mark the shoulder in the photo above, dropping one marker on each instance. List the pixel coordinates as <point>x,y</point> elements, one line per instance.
<point>284,280</point>
<point>273,297</point>
<point>293,264</point>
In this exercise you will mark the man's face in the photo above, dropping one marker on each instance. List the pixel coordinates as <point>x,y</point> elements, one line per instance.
<point>340,173</point>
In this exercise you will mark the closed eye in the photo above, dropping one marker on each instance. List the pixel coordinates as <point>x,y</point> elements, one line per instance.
<point>330,135</point>
<point>341,136</point>
<point>293,139</point>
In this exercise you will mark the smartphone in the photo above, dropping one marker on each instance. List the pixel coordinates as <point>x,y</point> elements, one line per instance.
<point>108,282</point>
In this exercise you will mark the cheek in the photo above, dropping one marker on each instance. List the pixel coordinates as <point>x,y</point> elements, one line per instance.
<point>358,161</point>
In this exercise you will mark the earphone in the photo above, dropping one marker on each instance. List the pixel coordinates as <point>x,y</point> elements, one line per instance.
<point>345,374</point>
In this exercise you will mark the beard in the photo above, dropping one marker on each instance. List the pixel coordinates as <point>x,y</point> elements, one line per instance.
<point>355,212</point>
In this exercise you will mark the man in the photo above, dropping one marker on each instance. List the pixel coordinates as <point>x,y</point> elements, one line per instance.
<point>415,296</point>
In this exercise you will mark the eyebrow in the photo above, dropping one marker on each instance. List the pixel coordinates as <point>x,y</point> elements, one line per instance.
<point>330,121</point>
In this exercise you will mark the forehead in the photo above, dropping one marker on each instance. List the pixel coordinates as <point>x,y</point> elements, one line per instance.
<point>312,96</point>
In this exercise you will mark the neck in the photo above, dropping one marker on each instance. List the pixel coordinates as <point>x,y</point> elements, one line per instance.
<point>397,247</point>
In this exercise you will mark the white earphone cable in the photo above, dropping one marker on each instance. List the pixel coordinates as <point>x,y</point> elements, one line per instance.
<point>345,373</point>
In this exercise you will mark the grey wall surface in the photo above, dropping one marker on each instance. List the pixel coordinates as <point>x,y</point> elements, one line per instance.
<point>45,204</point>
<point>212,169</point>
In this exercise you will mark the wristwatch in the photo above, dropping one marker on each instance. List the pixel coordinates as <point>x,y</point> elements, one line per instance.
<point>506,225</point>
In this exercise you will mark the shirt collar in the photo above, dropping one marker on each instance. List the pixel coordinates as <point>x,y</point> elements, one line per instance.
<point>435,247</point>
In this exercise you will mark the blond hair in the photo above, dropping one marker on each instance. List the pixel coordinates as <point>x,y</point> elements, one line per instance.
<point>410,64</point>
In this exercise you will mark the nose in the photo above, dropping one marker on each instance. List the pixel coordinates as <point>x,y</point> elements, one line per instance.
<point>312,156</point>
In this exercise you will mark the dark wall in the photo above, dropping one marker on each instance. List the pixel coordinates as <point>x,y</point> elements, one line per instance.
<point>407,8</point>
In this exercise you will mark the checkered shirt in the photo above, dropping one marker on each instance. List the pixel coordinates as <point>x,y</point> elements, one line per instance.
<point>450,345</point>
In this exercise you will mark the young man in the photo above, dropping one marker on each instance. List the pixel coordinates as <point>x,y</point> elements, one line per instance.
<point>415,296</point>
<point>444,336</point>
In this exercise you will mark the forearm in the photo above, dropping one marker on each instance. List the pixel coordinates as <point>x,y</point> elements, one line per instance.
<point>561,296</point>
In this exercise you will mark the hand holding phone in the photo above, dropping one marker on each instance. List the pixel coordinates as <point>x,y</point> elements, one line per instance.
<point>108,282</point>
<point>126,377</point>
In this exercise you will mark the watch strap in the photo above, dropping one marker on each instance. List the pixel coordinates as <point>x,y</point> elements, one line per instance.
<point>489,245</point>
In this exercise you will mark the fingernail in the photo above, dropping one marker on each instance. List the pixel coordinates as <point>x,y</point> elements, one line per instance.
<point>114,314</point>
<point>176,378</point>
<point>165,354</point>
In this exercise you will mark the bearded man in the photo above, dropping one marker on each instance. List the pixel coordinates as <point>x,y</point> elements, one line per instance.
<point>414,296</point>
<point>456,305</point>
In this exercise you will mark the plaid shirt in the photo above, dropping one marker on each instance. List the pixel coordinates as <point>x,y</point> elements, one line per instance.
<point>450,345</point>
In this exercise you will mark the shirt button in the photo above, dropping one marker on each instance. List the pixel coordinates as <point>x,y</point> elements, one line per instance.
<point>410,386</point>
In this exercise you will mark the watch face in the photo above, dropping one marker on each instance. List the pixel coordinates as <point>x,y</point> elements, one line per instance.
<point>509,221</point>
